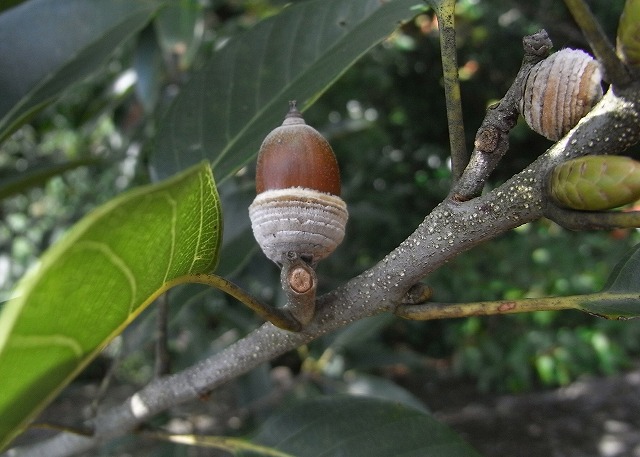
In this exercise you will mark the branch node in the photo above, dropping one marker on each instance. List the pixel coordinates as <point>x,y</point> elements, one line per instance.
<point>487,139</point>
<point>417,294</point>
<point>538,45</point>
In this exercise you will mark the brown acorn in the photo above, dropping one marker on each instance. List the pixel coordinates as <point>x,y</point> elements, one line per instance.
<point>298,206</point>
<point>559,91</point>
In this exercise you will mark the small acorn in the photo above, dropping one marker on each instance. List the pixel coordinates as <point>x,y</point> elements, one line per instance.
<point>559,91</point>
<point>595,183</point>
<point>298,206</point>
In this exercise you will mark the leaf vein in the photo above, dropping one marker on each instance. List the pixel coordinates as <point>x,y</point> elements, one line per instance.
<point>36,341</point>
<point>174,222</point>
<point>118,262</point>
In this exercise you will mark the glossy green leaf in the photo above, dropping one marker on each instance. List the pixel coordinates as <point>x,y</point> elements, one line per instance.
<point>595,183</point>
<point>242,93</point>
<point>95,281</point>
<point>358,426</point>
<point>74,37</point>
<point>629,33</point>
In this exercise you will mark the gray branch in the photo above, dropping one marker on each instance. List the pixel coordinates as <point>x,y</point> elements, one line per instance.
<point>452,228</point>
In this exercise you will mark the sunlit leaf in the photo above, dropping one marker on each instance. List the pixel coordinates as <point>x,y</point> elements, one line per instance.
<point>95,281</point>
<point>242,93</point>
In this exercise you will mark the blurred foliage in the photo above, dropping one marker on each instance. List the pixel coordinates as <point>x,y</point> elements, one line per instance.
<point>387,123</point>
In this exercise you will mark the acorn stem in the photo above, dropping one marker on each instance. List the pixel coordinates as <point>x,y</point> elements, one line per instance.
<point>293,110</point>
<point>299,282</point>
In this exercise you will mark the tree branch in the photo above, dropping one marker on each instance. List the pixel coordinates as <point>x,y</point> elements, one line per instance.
<point>453,227</point>
<point>492,140</point>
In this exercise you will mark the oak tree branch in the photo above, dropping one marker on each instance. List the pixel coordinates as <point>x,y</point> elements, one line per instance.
<point>452,228</point>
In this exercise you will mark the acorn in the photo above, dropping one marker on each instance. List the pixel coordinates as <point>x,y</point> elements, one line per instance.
<point>559,91</point>
<point>297,208</point>
<point>595,183</point>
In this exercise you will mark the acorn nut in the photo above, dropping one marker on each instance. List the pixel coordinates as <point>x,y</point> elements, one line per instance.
<point>298,206</point>
<point>559,91</point>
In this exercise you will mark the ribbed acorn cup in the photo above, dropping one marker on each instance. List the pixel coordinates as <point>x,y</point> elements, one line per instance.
<point>559,91</point>
<point>298,206</point>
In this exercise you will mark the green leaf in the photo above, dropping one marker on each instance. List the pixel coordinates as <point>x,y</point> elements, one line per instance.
<point>95,281</point>
<point>48,45</point>
<point>595,183</point>
<point>359,426</point>
<point>620,298</point>
<point>629,33</point>
<point>242,93</point>
<point>381,388</point>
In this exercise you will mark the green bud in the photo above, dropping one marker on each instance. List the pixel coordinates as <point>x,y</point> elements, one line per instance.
<point>594,183</point>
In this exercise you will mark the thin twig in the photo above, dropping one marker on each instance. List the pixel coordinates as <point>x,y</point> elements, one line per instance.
<point>445,11</point>
<point>592,220</point>
<point>602,304</point>
<point>162,358</point>
<point>277,316</point>
<point>82,431</point>
<point>429,311</point>
<point>105,383</point>
<point>492,139</point>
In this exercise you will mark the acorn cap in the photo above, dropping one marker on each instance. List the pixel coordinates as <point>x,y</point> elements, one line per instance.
<point>559,91</point>
<point>296,155</point>
<point>305,221</point>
